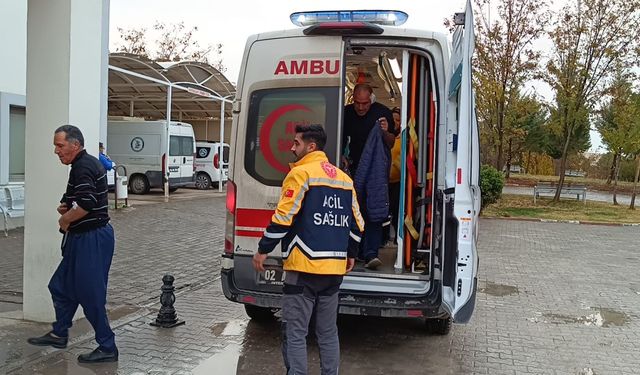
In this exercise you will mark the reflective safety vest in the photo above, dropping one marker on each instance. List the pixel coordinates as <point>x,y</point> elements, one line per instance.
<point>317,219</point>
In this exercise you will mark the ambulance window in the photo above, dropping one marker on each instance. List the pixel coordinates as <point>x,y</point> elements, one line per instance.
<point>180,146</point>
<point>273,116</point>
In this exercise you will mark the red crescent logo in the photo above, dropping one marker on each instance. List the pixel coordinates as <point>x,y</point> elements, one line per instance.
<point>266,130</point>
<point>329,169</point>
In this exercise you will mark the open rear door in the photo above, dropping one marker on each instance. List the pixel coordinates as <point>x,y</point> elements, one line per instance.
<point>459,296</point>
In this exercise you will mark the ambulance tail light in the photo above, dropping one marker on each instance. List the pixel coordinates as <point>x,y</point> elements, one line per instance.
<point>230,219</point>
<point>364,17</point>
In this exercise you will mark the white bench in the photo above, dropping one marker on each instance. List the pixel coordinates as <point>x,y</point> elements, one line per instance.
<point>580,191</point>
<point>11,204</point>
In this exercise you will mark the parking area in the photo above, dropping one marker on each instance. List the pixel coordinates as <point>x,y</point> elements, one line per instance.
<point>553,299</point>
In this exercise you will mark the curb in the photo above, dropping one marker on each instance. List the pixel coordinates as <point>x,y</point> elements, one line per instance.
<point>562,221</point>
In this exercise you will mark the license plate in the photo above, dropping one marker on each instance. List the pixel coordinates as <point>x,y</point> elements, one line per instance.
<point>271,276</point>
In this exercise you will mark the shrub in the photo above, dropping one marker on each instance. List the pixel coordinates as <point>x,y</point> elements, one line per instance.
<point>491,184</point>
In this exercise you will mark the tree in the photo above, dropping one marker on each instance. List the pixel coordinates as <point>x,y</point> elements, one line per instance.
<point>616,122</point>
<point>525,122</point>
<point>175,42</point>
<point>587,39</point>
<point>634,146</point>
<point>504,61</point>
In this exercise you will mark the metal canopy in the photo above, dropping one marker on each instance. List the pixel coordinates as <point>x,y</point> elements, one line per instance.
<point>138,87</point>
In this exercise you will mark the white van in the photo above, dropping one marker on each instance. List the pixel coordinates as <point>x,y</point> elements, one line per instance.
<point>210,163</point>
<point>141,147</point>
<point>307,76</point>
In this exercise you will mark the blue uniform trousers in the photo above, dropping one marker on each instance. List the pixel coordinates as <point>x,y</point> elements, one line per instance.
<point>81,279</point>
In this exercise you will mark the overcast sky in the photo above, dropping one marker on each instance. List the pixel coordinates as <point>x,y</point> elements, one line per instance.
<point>231,22</point>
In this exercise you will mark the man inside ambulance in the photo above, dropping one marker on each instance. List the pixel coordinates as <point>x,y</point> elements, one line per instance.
<point>367,158</point>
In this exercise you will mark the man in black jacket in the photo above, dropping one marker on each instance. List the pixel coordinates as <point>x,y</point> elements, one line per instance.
<point>87,249</point>
<point>359,118</point>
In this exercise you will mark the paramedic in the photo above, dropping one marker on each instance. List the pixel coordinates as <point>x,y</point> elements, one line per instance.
<point>87,250</point>
<point>359,118</point>
<point>319,224</point>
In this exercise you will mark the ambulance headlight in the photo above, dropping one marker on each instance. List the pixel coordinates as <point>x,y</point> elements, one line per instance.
<point>378,17</point>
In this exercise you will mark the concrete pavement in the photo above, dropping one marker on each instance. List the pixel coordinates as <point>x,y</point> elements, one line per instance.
<point>553,299</point>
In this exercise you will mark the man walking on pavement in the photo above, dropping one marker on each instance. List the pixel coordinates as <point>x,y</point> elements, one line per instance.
<point>319,224</point>
<point>87,249</point>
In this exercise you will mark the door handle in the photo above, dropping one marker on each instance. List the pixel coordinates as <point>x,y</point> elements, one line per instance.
<point>184,160</point>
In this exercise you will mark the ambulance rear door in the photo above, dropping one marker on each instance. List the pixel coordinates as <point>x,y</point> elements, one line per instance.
<point>458,293</point>
<point>289,78</point>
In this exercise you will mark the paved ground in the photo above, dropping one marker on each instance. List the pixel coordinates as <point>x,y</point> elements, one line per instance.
<point>553,299</point>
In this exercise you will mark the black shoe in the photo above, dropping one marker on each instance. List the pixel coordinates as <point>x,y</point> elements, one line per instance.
<point>49,339</point>
<point>98,356</point>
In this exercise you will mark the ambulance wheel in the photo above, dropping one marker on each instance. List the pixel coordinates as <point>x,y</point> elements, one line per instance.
<point>258,313</point>
<point>138,184</point>
<point>203,182</point>
<point>438,326</point>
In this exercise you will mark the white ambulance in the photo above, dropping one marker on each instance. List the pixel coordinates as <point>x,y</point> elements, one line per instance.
<point>141,147</point>
<point>307,75</point>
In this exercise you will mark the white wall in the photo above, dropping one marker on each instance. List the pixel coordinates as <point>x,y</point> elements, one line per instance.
<point>65,85</point>
<point>13,46</point>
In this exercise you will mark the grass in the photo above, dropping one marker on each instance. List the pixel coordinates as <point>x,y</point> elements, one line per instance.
<point>521,206</point>
<point>592,183</point>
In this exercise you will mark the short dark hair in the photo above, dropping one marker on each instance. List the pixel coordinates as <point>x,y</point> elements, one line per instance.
<point>71,134</point>
<point>313,133</point>
<point>363,87</point>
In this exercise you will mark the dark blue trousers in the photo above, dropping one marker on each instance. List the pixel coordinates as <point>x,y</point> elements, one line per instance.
<point>81,279</point>
<point>371,240</point>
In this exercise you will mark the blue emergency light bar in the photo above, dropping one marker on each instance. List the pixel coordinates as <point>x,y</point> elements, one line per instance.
<point>378,17</point>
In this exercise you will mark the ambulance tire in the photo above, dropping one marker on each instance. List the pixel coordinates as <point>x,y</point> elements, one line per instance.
<point>438,326</point>
<point>138,184</point>
<point>259,314</point>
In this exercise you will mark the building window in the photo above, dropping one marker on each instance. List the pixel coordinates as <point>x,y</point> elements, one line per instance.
<point>16,143</point>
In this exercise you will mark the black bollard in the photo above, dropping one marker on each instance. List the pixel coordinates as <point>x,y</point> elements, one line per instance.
<point>167,317</point>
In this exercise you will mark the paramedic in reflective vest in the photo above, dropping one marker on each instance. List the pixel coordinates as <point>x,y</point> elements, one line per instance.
<point>318,223</point>
<point>87,250</point>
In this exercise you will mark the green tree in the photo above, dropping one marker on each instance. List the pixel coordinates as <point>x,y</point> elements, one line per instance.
<point>616,122</point>
<point>588,37</point>
<point>526,121</point>
<point>634,146</point>
<point>504,60</point>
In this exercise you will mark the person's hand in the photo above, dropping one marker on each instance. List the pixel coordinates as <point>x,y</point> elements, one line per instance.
<point>344,163</point>
<point>258,261</point>
<point>350,263</point>
<point>384,125</point>
<point>63,223</point>
<point>62,208</point>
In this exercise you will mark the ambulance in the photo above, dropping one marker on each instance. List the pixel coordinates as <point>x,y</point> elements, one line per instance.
<point>307,75</point>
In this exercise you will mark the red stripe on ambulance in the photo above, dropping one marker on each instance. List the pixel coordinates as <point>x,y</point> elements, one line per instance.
<point>247,217</point>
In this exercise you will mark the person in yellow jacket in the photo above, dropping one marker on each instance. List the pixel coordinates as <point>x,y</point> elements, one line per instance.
<point>318,223</point>
<point>394,180</point>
